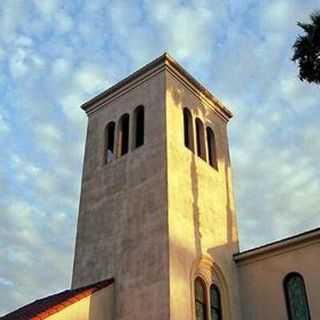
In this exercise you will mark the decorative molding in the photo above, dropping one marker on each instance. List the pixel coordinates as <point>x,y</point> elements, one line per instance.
<point>203,94</point>
<point>151,69</point>
<point>118,90</point>
<point>205,268</point>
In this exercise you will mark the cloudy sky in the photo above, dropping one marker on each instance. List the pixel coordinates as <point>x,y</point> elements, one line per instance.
<point>55,54</point>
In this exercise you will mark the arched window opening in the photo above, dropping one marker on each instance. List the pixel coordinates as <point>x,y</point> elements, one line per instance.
<point>201,150</point>
<point>188,129</point>
<point>212,151</point>
<point>296,297</point>
<point>200,299</point>
<point>139,126</point>
<point>109,141</point>
<point>123,135</point>
<point>215,303</point>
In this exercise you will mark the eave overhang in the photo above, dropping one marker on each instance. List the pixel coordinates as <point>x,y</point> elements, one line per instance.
<point>164,62</point>
<point>282,246</point>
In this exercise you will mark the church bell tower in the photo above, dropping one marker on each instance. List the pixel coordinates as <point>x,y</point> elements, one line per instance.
<point>156,209</point>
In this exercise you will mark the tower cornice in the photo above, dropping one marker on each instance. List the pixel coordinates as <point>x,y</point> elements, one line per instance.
<point>164,62</point>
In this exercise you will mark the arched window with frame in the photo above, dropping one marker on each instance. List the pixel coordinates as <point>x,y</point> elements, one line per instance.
<point>138,127</point>
<point>212,150</point>
<point>296,297</point>
<point>123,135</point>
<point>109,141</point>
<point>201,148</point>
<point>215,303</point>
<point>188,129</point>
<point>200,299</point>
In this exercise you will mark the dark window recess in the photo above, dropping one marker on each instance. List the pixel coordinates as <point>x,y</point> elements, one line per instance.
<point>109,142</point>
<point>201,151</point>
<point>200,299</point>
<point>212,151</point>
<point>188,129</point>
<point>296,297</point>
<point>215,303</point>
<point>139,127</point>
<point>123,135</point>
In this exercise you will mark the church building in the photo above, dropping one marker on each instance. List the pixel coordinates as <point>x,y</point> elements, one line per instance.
<point>157,234</point>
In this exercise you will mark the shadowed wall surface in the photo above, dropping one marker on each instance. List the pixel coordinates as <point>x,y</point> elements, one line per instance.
<point>122,226</point>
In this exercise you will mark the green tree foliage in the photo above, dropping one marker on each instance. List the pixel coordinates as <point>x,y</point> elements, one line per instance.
<point>307,50</point>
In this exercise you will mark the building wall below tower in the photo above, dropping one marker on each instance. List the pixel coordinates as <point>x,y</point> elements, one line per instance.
<point>97,306</point>
<point>261,279</point>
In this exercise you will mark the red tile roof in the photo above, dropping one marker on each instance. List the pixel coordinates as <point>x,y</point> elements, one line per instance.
<point>43,308</point>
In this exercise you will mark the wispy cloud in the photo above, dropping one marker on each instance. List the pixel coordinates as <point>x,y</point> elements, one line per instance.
<point>54,55</point>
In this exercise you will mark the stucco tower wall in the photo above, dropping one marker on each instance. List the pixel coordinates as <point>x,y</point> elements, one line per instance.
<point>122,225</point>
<point>202,221</point>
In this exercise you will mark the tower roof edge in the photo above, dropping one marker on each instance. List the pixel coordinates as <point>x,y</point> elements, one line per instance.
<point>165,60</point>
